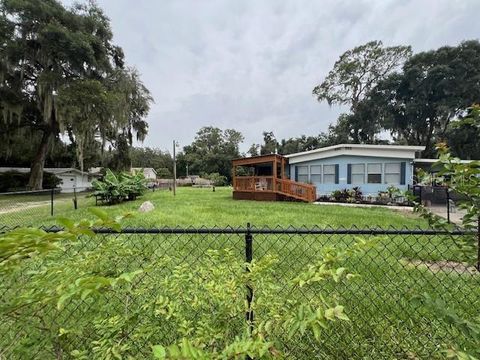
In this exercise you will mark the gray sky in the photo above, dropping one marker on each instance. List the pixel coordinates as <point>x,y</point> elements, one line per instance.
<point>251,65</point>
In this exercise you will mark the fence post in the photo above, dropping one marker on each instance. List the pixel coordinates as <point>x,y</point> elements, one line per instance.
<point>249,258</point>
<point>448,204</point>
<point>75,198</point>
<point>51,201</point>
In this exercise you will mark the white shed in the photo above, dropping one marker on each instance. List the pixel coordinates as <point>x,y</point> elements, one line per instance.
<point>71,178</point>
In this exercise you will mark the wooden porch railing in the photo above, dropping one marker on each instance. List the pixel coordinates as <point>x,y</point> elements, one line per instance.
<point>304,191</point>
<point>254,183</point>
<point>286,187</point>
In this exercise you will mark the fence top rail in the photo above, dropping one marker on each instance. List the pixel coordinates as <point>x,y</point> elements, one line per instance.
<point>25,192</point>
<point>48,191</point>
<point>267,230</point>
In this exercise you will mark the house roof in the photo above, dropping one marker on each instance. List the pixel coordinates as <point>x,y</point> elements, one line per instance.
<point>432,161</point>
<point>143,169</point>
<point>389,151</point>
<point>55,171</point>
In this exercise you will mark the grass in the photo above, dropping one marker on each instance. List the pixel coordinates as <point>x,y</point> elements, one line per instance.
<point>202,207</point>
<point>385,323</point>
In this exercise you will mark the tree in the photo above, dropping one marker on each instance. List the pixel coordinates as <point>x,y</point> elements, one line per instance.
<point>302,143</point>
<point>211,152</point>
<point>358,70</point>
<point>254,150</point>
<point>434,88</point>
<point>463,135</point>
<point>269,143</point>
<point>161,161</point>
<point>50,55</point>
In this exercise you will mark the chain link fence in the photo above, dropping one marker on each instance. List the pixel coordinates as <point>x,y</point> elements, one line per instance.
<point>31,207</point>
<point>441,201</point>
<point>385,321</point>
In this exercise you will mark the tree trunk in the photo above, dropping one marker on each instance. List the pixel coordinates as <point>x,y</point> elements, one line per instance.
<point>36,171</point>
<point>79,150</point>
<point>429,151</point>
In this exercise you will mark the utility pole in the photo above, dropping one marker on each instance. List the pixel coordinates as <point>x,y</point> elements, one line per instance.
<point>174,169</point>
<point>187,170</point>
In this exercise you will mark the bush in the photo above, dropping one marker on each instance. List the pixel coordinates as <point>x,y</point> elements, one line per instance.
<point>216,179</point>
<point>121,187</point>
<point>393,191</point>
<point>348,195</point>
<point>14,180</point>
<point>202,304</point>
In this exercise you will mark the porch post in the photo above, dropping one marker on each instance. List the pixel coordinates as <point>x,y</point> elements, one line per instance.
<point>274,182</point>
<point>234,172</point>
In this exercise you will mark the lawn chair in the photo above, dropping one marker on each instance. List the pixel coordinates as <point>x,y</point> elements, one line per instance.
<point>261,185</point>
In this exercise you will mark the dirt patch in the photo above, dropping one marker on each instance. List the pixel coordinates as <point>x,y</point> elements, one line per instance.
<point>442,265</point>
<point>21,207</point>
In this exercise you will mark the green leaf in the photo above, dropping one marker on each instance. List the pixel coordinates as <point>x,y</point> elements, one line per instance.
<point>68,223</point>
<point>339,314</point>
<point>159,352</point>
<point>330,314</point>
<point>62,299</point>
<point>99,213</point>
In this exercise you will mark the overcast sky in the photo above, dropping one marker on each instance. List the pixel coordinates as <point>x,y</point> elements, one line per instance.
<point>252,65</point>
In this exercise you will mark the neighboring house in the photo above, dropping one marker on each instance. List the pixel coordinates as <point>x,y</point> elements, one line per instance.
<point>71,178</point>
<point>95,171</point>
<point>373,168</point>
<point>149,173</point>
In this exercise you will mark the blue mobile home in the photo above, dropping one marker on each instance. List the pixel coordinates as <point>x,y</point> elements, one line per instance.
<point>373,168</point>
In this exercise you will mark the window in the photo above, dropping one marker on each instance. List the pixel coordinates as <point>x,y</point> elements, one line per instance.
<point>374,173</point>
<point>302,175</point>
<point>316,173</point>
<point>358,173</point>
<point>329,174</point>
<point>392,173</point>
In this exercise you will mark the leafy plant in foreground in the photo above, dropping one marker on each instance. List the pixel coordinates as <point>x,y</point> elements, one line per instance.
<point>470,328</point>
<point>464,179</point>
<point>214,326</point>
<point>73,295</point>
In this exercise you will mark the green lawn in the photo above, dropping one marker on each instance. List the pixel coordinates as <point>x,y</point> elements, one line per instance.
<point>385,323</point>
<point>202,207</point>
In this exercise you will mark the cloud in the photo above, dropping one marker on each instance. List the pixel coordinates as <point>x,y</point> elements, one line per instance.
<point>251,65</point>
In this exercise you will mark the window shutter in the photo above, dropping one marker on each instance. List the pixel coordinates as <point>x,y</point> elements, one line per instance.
<point>337,174</point>
<point>296,173</point>
<point>403,172</point>
<point>349,173</point>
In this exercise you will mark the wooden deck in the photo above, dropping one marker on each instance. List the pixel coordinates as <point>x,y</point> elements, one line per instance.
<point>273,189</point>
<point>269,182</point>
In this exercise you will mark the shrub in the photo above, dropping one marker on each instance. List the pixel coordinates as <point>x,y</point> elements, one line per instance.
<point>115,188</point>
<point>464,179</point>
<point>393,191</point>
<point>348,195</point>
<point>339,195</point>
<point>14,180</point>
<point>356,193</point>
<point>216,179</point>
<point>202,305</point>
